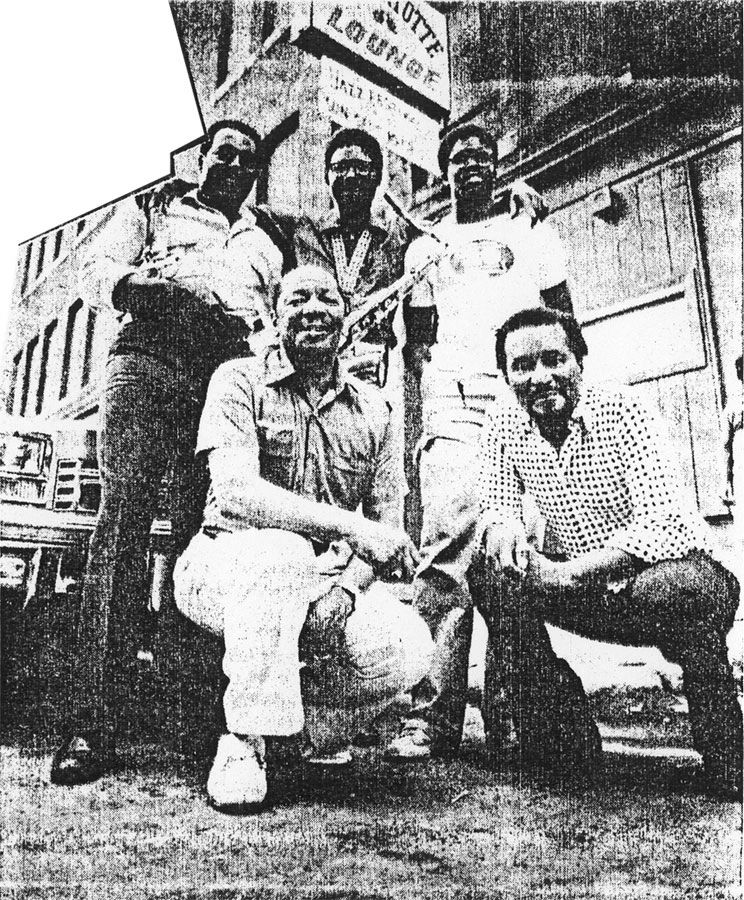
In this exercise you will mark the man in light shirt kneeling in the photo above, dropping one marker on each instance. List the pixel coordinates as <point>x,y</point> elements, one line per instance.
<point>295,448</point>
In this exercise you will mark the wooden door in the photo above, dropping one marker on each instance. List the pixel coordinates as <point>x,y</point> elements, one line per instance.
<point>642,278</point>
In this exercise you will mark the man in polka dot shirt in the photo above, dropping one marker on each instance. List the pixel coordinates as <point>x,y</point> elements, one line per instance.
<point>628,558</point>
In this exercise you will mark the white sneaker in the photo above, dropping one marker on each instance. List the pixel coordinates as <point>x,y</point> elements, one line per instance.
<point>237,780</point>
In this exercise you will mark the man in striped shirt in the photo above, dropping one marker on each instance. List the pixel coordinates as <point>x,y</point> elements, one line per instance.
<point>631,561</point>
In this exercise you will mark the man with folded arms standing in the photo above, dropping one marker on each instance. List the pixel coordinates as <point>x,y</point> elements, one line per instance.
<point>489,263</point>
<point>191,276</point>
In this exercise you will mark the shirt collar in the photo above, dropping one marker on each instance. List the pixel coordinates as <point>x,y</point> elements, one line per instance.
<point>278,368</point>
<point>191,199</point>
<point>329,223</point>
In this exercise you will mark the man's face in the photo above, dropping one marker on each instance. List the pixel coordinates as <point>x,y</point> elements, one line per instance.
<point>471,170</point>
<point>310,312</point>
<point>353,178</point>
<point>228,168</point>
<point>543,372</point>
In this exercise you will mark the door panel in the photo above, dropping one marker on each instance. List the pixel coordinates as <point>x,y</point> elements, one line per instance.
<point>637,280</point>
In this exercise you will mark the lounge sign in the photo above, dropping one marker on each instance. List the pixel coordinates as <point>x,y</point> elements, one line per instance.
<point>406,41</point>
<point>350,99</point>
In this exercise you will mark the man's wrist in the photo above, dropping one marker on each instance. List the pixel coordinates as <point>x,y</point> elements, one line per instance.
<point>421,324</point>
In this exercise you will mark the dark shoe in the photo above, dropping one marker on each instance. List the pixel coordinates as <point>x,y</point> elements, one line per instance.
<point>698,781</point>
<point>79,761</point>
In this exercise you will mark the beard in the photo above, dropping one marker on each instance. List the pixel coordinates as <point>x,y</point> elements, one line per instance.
<point>227,184</point>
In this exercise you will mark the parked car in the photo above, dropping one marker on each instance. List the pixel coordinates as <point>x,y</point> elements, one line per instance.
<point>50,492</point>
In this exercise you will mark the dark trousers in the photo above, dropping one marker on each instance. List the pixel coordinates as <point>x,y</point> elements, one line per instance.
<point>684,607</point>
<point>150,419</point>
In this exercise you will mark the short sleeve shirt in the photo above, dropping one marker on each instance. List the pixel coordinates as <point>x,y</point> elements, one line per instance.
<point>337,453</point>
<point>487,271</point>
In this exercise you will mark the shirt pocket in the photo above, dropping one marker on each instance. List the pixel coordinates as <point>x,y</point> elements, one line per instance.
<point>276,446</point>
<point>353,473</point>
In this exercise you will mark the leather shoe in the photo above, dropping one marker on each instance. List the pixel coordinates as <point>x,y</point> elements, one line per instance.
<point>78,761</point>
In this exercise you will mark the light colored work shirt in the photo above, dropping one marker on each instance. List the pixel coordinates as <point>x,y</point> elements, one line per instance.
<point>611,484</point>
<point>339,452</point>
<point>238,264</point>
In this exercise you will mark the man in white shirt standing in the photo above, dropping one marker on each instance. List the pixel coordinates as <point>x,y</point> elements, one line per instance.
<point>192,276</point>
<point>492,263</point>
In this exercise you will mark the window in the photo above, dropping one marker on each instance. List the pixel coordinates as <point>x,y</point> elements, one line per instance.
<point>81,226</point>
<point>10,400</point>
<point>679,38</point>
<point>43,366</point>
<point>90,330</point>
<point>30,353</point>
<point>26,267</point>
<point>58,242</point>
<point>40,257</point>
<point>72,317</point>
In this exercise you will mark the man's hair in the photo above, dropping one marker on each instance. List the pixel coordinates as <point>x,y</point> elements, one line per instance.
<point>462,133</point>
<point>278,288</point>
<point>355,137</point>
<point>235,125</point>
<point>539,315</point>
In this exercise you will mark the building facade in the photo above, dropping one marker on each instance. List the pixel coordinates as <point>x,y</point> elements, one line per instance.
<point>57,343</point>
<point>626,116</point>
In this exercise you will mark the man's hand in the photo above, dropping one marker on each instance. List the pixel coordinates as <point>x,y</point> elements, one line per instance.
<point>525,199</point>
<point>147,293</point>
<point>549,574</point>
<point>506,549</point>
<point>389,551</point>
<point>322,634</point>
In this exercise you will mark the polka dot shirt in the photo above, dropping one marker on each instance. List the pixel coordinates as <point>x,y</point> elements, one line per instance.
<point>611,484</point>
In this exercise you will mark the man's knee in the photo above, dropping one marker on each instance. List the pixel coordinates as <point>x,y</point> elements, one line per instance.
<point>689,597</point>
<point>213,571</point>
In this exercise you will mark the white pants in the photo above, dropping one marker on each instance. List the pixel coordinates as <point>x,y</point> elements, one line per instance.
<point>254,587</point>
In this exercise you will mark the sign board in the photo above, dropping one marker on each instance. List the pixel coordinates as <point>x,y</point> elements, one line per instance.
<point>405,42</point>
<point>351,100</point>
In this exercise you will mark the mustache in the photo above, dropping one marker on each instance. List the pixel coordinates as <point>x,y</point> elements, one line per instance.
<point>306,321</point>
<point>482,171</point>
<point>542,392</point>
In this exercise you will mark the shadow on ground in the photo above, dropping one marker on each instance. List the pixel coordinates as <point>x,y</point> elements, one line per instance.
<point>448,828</point>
